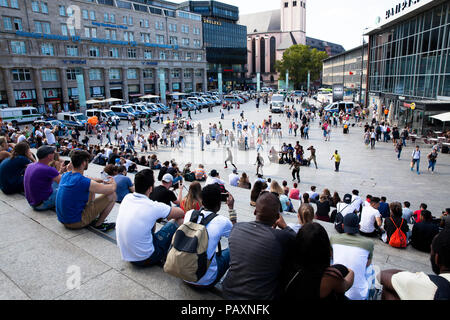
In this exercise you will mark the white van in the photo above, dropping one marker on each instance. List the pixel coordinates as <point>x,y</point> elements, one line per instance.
<point>20,115</point>
<point>125,112</point>
<point>339,106</point>
<point>277,103</point>
<point>102,115</point>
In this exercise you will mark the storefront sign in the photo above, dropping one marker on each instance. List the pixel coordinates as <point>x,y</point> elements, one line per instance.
<point>149,63</point>
<point>107,25</point>
<point>211,21</point>
<point>51,93</point>
<point>24,94</point>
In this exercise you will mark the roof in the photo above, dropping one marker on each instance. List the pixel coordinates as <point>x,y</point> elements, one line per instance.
<point>347,52</point>
<point>267,21</point>
<point>322,44</point>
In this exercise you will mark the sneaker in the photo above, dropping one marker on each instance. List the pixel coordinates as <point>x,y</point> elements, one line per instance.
<point>104,227</point>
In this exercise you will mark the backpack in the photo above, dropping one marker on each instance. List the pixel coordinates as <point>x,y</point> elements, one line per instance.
<point>187,258</point>
<point>339,220</point>
<point>398,238</point>
<point>443,287</point>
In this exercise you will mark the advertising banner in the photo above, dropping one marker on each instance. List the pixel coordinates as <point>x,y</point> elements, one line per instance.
<point>338,92</point>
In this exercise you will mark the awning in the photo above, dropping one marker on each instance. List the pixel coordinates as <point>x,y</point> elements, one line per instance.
<point>177,94</point>
<point>93,101</point>
<point>149,96</point>
<point>444,117</point>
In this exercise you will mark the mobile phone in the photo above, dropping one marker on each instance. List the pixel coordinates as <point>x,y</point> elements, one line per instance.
<point>66,163</point>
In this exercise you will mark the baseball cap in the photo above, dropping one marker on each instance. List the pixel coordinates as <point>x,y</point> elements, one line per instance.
<point>351,223</point>
<point>347,198</point>
<point>44,151</point>
<point>234,170</point>
<point>167,178</point>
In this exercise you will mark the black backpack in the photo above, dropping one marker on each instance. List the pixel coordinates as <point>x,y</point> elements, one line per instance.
<point>339,220</point>
<point>443,287</point>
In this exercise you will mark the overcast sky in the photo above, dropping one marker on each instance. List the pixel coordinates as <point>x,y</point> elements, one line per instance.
<point>338,21</point>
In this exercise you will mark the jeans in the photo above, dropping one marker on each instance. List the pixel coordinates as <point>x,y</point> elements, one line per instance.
<point>415,161</point>
<point>175,180</point>
<point>161,243</point>
<point>404,142</point>
<point>50,202</point>
<point>223,263</point>
<point>431,164</point>
<point>399,154</point>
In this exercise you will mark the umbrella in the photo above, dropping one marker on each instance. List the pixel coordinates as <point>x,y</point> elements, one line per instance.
<point>444,117</point>
<point>93,120</point>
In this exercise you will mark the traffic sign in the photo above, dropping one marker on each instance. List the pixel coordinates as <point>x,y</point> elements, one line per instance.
<point>413,106</point>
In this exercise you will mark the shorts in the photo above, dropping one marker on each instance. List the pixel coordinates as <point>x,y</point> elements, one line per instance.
<point>90,213</point>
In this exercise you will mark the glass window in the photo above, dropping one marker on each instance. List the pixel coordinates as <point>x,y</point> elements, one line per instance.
<point>94,52</point>
<point>44,7</point>
<point>72,74</point>
<point>92,15</point>
<point>95,74</point>
<point>72,51</point>
<point>49,75</point>
<point>132,74</point>
<point>114,52</point>
<point>64,29</point>
<point>148,73</point>
<point>131,53</point>
<point>176,55</point>
<point>3,3</point>
<point>21,74</point>
<point>162,55</point>
<point>106,17</point>
<point>147,54</point>
<point>18,24</point>
<point>114,74</point>
<point>47,49</point>
<point>112,18</point>
<point>7,24</point>
<point>14,4</point>
<point>85,14</point>
<point>62,11</point>
<point>35,6</point>
<point>18,47</point>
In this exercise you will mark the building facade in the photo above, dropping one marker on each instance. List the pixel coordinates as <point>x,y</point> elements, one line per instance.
<point>225,42</point>
<point>270,33</point>
<point>123,49</point>
<point>350,69</point>
<point>409,63</point>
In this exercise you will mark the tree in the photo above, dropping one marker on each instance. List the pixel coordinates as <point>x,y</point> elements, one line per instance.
<point>298,60</point>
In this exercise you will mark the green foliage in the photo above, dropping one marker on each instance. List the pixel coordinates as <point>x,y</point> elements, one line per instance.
<point>298,60</point>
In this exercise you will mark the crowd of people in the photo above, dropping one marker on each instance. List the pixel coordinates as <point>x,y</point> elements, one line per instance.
<point>266,258</point>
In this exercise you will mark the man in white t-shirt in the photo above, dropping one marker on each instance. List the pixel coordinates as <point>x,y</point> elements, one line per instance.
<point>371,219</point>
<point>405,285</point>
<point>135,225</point>
<point>233,178</point>
<point>49,134</point>
<point>218,227</point>
<point>21,137</point>
<point>214,178</point>
<point>355,252</point>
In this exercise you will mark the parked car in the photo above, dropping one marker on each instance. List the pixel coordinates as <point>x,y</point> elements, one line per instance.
<point>277,103</point>
<point>102,114</point>
<point>339,106</point>
<point>233,99</point>
<point>124,112</point>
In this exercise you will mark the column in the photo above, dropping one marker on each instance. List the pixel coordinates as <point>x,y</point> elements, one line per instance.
<point>141,81</point>
<point>87,89</point>
<point>156,77</point>
<point>182,80</point>
<point>64,89</point>
<point>194,86</point>
<point>8,85</point>
<point>205,80</point>
<point>257,55</point>
<point>38,86</point>
<point>170,89</point>
<point>125,85</point>
<point>106,81</point>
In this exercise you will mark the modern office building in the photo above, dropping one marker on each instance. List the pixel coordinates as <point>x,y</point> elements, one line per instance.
<point>349,69</point>
<point>409,63</point>
<point>123,49</point>
<point>225,42</point>
<point>270,33</point>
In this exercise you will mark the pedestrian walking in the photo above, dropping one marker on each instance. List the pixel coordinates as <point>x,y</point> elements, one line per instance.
<point>337,160</point>
<point>398,149</point>
<point>229,158</point>
<point>295,166</point>
<point>259,164</point>
<point>432,160</point>
<point>415,159</point>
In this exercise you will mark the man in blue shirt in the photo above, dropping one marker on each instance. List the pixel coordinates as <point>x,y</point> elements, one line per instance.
<point>76,205</point>
<point>124,184</point>
<point>384,208</point>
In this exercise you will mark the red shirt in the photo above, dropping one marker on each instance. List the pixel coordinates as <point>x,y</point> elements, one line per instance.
<point>417,215</point>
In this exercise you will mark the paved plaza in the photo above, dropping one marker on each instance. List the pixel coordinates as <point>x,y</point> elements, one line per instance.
<point>38,256</point>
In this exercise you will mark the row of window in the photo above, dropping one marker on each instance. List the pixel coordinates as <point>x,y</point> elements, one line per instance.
<point>10,3</point>
<point>47,49</point>
<point>15,24</point>
<point>97,74</point>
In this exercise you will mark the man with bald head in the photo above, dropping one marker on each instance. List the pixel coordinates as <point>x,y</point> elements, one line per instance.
<point>258,250</point>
